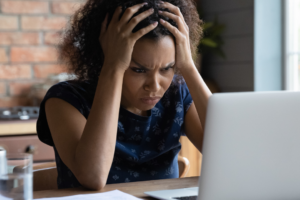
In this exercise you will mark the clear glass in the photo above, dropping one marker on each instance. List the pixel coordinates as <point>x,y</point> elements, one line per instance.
<point>15,176</point>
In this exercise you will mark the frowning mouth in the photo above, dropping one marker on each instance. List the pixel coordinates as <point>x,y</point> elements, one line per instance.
<point>150,100</point>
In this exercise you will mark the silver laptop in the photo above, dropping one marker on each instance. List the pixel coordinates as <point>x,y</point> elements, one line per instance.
<point>251,149</point>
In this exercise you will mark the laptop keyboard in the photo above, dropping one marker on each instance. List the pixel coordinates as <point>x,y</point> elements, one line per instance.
<point>186,198</point>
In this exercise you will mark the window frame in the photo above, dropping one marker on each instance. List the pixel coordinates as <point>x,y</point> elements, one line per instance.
<point>291,42</point>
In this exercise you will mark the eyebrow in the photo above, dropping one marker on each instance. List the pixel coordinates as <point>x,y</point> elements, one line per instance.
<point>145,68</point>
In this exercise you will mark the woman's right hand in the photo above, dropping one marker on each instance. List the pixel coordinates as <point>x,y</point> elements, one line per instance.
<point>117,41</point>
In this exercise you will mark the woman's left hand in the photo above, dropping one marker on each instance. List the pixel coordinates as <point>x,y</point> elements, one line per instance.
<point>183,55</point>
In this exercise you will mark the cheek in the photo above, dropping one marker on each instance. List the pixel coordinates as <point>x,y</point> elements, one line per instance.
<point>167,80</point>
<point>131,85</point>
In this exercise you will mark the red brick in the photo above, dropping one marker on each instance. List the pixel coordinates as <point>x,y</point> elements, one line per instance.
<point>65,7</point>
<point>19,38</point>
<point>52,38</point>
<point>3,55</point>
<point>33,54</point>
<point>15,72</point>
<point>21,88</point>
<point>43,71</point>
<point>2,88</point>
<point>66,0</point>
<point>9,23</point>
<point>24,7</point>
<point>43,23</point>
<point>14,101</point>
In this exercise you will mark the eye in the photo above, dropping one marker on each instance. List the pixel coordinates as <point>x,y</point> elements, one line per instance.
<point>167,68</point>
<point>138,70</point>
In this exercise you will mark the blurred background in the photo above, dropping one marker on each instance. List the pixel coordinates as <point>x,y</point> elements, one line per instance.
<point>248,45</point>
<point>29,33</point>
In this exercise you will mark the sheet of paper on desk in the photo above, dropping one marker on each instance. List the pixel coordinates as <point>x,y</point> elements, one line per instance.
<point>111,195</point>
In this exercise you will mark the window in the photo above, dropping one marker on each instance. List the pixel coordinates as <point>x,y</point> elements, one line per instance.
<point>292,45</point>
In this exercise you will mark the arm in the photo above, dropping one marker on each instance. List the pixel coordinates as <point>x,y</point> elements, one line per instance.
<point>87,146</point>
<point>193,128</point>
<point>200,93</point>
<point>198,89</point>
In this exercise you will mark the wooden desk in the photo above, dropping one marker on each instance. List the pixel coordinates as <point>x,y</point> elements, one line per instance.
<point>135,188</point>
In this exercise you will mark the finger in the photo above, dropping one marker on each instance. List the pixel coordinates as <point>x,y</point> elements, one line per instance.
<point>129,12</point>
<point>104,25</point>
<point>137,19</point>
<point>177,34</point>
<point>137,35</point>
<point>115,18</point>
<point>176,18</point>
<point>173,9</point>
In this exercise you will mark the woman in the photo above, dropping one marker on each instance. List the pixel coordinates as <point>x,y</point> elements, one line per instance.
<point>121,120</point>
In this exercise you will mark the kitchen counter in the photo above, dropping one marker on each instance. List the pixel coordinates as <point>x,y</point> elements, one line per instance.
<point>19,136</point>
<point>17,127</point>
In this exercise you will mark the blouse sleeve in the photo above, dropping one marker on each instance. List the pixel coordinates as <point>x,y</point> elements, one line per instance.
<point>64,91</point>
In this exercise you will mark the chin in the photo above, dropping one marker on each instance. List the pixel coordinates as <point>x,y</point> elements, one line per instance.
<point>145,107</point>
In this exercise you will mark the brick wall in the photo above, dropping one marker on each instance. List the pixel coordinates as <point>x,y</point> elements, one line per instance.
<point>29,33</point>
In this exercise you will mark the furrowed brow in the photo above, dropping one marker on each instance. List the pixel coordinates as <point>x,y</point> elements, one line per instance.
<point>170,65</point>
<point>140,66</point>
<point>145,68</point>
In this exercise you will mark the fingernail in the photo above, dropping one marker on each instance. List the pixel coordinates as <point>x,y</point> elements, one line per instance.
<point>162,21</point>
<point>161,2</point>
<point>145,4</point>
<point>160,11</point>
<point>155,23</point>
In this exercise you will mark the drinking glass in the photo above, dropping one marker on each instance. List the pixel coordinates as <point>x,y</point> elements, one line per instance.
<point>15,176</point>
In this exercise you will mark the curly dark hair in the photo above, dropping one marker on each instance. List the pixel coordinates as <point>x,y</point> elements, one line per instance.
<point>80,49</point>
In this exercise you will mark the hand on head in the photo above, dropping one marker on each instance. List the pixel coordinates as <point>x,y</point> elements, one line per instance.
<point>117,40</point>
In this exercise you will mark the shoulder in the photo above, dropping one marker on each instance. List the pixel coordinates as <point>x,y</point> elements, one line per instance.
<point>177,95</point>
<point>72,92</point>
<point>178,88</point>
<point>72,87</point>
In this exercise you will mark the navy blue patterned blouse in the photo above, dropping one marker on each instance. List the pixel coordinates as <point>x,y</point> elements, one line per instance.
<point>147,146</point>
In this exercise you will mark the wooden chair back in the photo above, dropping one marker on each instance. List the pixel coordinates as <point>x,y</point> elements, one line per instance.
<point>45,175</point>
<point>184,166</point>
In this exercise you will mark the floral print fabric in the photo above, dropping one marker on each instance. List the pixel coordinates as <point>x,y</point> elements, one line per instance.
<point>146,147</point>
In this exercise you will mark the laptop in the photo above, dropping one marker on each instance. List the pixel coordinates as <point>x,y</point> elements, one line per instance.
<point>251,149</point>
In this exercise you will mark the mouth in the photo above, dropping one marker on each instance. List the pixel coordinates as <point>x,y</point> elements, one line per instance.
<point>150,100</point>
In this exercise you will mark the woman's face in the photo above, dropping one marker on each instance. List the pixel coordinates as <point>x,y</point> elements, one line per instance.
<point>149,75</point>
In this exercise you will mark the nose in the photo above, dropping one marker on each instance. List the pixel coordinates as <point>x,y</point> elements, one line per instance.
<point>152,84</point>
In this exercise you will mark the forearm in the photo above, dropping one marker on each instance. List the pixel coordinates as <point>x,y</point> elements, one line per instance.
<point>95,151</point>
<point>199,91</point>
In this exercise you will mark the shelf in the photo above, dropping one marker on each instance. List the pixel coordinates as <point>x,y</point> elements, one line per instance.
<point>18,127</point>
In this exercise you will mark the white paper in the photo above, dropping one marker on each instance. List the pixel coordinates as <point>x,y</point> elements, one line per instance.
<point>111,195</point>
<point>4,198</point>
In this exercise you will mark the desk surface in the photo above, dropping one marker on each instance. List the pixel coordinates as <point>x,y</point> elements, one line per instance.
<point>134,188</point>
